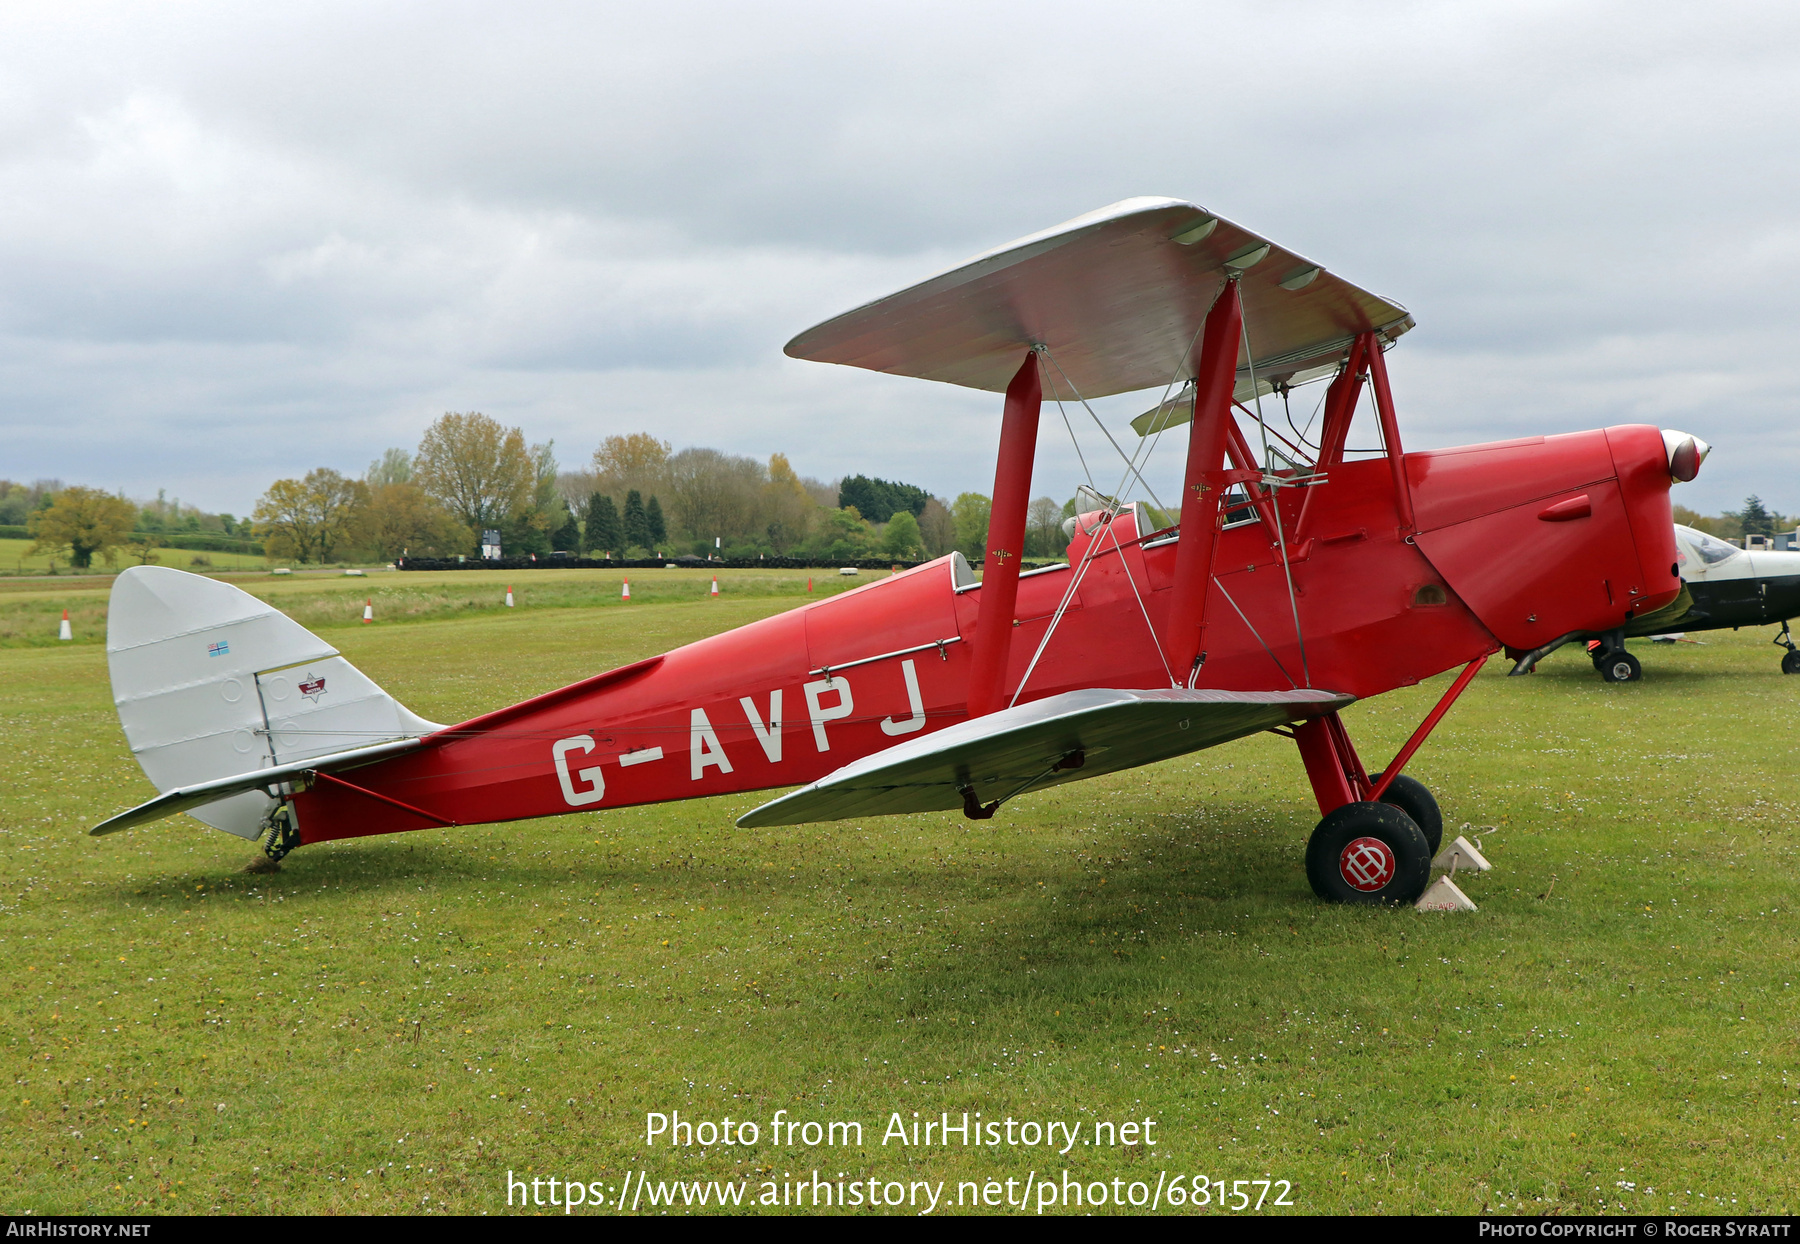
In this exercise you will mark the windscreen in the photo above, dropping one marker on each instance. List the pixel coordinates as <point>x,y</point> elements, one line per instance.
<point>1712,550</point>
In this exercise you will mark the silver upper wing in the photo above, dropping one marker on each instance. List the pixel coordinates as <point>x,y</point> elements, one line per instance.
<point>1118,296</point>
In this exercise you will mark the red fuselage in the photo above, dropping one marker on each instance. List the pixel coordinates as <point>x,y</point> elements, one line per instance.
<point>1513,544</point>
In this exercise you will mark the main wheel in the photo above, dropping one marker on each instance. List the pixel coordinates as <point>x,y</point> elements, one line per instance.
<point>1790,664</point>
<point>1621,666</point>
<point>1368,853</point>
<point>1415,799</point>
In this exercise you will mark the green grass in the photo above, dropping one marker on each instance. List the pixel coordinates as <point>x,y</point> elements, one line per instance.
<point>393,1024</point>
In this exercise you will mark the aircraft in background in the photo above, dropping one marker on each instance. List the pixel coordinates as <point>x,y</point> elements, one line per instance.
<point>1722,586</point>
<point>937,690</point>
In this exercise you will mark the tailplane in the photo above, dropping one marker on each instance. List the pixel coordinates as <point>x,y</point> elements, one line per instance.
<point>213,684</point>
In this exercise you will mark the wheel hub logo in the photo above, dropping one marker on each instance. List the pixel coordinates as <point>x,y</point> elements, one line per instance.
<point>1367,864</point>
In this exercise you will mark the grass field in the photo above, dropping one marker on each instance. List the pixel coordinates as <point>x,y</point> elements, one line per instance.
<point>394,1024</point>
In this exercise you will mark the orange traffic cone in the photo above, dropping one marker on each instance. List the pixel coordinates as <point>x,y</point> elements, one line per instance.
<point>809,583</point>
<point>369,609</point>
<point>509,602</point>
<point>65,632</point>
<point>715,590</point>
<point>625,592</point>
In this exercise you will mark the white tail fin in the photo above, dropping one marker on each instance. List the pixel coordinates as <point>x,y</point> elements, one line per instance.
<point>211,682</point>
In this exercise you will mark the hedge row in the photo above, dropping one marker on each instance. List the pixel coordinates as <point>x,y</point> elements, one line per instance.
<point>197,541</point>
<point>204,543</point>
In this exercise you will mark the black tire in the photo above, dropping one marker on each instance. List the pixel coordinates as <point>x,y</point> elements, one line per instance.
<point>1790,663</point>
<point>1368,853</point>
<point>1415,799</point>
<point>1621,666</point>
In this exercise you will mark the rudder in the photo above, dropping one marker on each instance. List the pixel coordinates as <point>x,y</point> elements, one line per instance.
<point>211,682</point>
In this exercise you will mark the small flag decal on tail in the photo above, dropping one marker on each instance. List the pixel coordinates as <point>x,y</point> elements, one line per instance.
<point>219,649</point>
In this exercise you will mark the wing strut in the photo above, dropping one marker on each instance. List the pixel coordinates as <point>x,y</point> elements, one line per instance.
<point>1006,539</point>
<point>1203,486</point>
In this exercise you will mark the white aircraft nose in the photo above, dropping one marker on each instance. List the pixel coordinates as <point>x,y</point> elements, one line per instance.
<point>1686,453</point>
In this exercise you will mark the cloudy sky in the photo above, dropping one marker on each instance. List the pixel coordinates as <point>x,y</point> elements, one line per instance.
<point>239,241</point>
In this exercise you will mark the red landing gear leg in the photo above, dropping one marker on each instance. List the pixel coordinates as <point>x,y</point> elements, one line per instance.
<point>1379,831</point>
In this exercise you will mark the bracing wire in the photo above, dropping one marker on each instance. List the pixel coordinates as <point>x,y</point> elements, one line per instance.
<point>1281,536</point>
<point>1148,448</point>
<point>1131,467</point>
<point>1255,632</point>
<point>1151,626</point>
<point>1073,439</point>
<point>1087,557</point>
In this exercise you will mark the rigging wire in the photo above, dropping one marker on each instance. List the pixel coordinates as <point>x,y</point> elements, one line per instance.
<point>1087,557</point>
<point>1114,507</point>
<point>1300,433</point>
<point>1073,439</point>
<point>1181,365</point>
<point>1281,536</point>
<point>1259,639</point>
<point>1131,467</point>
<point>1151,626</point>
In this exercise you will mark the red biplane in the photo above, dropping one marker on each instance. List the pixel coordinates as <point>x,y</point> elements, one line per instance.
<point>1298,579</point>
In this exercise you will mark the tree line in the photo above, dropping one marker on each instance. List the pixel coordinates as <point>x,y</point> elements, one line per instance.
<point>634,496</point>
<point>1754,519</point>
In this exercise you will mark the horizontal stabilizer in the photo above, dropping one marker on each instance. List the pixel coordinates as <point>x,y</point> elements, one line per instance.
<point>186,798</point>
<point>1087,733</point>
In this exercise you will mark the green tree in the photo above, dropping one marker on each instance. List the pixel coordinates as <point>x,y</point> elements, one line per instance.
<point>567,538</point>
<point>85,521</point>
<point>476,469</point>
<point>1757,521</point>
<point>653,522</point>
<point>400,520</point>
<point>787,508</point>
<point>308,519</point>
<point>937,529</point>
<point>842,535</point>
<point>878,499</point>
<point>902,537</point>
<point>637,461</point>
<point>395,466</point>
<point>970,512</point>
<point>601,520</point>
<point>635,523</point>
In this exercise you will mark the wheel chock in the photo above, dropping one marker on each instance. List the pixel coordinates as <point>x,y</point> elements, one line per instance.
<point>1444,895</point>
<point>1461,856</point>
